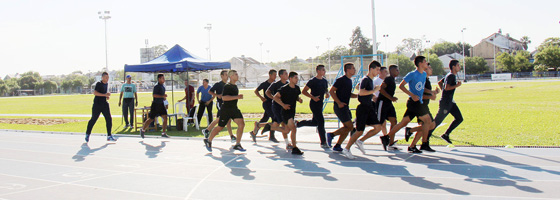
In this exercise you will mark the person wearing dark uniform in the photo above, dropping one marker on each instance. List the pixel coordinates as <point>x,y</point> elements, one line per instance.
<point>385,109</point>
<point>341,92</point>
<point>100,105</point>
<point>158,107</point>
<point>277,109</point>
<point>446,104</point>
<point>216,91</point>
<point>319,87</point>
<point>267,106</point>
<point>286,98</point>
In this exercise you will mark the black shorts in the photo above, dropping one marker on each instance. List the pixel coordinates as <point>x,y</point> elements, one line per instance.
<point>277,113</point>
<point>287,115</point>
<point>365,115</point>
<point>414,109</point>
<point>429,113</point>
<point>157,109</point>
<point>385,109</point>
<point>219,107</point>
<point>267,106</point>
<point>228,114</point>
<point>343,114</point>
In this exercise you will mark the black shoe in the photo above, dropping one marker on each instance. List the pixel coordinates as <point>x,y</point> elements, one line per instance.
<point>446,138</point>
<point>337,148</point>
<point>330,137</point>
<point>426,147</point>
<point>164,135</point>
<point>407,133</point>
<point>238,147</point>
<point>208,145</point>
<point>142,133</point>
<point>296,151</point>
<point>87,137</point>
<point>273,139</point>
<point>413,150</point>
<point>233,138</point>
<point>265,129</point>
<point>385,141</point>
<point>206,133</point>
<point>253,136</point>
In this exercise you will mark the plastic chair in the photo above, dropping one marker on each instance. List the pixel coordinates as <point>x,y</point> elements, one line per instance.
<point>181,108</point>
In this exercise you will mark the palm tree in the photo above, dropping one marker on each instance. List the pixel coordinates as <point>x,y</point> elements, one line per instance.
<point>526,41</point>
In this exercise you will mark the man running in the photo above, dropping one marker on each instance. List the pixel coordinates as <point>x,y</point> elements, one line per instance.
<point>158,107</point>
<point>287,97</point>
<point>341,92</point>
<point>204,102</point>
<point>416,81</point>
<point>128,90</point>
<point>267,106</point>
<point>277,109</point>
<point>428,94</point>
<point>385,109</point>
<point>447,104</point>
<point>365,112</point>
<point>319,87</point>
<point>230,96</point>
<point>216,91</point>
<point>100,105</point>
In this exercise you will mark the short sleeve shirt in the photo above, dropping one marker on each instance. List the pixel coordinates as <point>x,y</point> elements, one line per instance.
<point>318,87</point>
<point>275,87</point>
<point>390,88</point>
<point>450,79</point>
<point>128,90</point>
<point>290,95</point>
<point>343,87</point>
<point>263,86</point>
<point>204,91</point>
<point>366,84</point>
<point>426,93</point>
<point>190,94</point>
<point>416,82</point>
<point>218,88</point>
<point>159,89</point>
<point>101,88</point>
<point>230,90</point>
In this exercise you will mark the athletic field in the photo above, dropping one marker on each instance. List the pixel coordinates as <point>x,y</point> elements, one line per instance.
<point>518,113</point>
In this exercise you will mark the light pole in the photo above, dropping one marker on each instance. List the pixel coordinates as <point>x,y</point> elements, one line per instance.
<point>494,49</point>
<point>105,15</point>
<point>317,53</point>
<point>386,36</point>
<point>329,51</point>
<point>261,50</point>
<point>209,27</point>
<point>268,55</point>
<point>464,67</point>
<point>428,50</point>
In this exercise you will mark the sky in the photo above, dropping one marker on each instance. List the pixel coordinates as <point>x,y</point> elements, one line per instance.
<point>61,36</point>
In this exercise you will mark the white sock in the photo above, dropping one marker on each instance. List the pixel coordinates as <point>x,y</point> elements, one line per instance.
<point>287,141</point>
<point>162,133</point>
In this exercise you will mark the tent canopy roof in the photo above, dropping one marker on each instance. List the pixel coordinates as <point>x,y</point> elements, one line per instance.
<point>177,59</point>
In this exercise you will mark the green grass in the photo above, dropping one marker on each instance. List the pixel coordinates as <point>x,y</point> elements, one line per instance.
<point>495,113</point>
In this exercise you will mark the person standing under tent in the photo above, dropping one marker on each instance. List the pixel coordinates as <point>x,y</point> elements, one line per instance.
<point>128,91</point>
<point>204,102</point>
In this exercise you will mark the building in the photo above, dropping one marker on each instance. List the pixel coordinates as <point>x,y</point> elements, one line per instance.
<point>493,45</point>
<point>445,59</point>
<point>250,71</point>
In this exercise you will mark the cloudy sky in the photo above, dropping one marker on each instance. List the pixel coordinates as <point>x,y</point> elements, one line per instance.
<point>61,36</point>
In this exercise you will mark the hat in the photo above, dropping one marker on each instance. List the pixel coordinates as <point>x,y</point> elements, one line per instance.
<point>128,76</point>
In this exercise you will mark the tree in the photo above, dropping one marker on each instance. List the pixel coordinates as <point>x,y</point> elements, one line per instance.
<point>552,41</point>
<point>522,61</point>
<point>336,53</point>
<point>476,65</point>
<point>467,48</point>
<point>159,50</point>
<point>50,87</point>
<point>506,62</point>
<point>410,45</point>
<point>30,80</point>
<point>12,85</point>
<point>541,68</point>
<point>3,88</point>
<point>358,43</point>
<point>549,57</point>
<point>526,41</point>
<point>404,63</point>
<point>437,65</point>
<point>445,48</point>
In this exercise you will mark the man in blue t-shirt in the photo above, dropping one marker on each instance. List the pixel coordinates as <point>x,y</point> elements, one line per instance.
<point>319,88</point>
<point>100,105</point>
<point>416,81</point>
<point>205,101</point>
<point>128,91</point>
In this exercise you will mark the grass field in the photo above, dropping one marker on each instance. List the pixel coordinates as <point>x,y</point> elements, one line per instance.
<point>495,113</point>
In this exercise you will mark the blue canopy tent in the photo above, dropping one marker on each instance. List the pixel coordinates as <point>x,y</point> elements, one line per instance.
<point>177,60</point>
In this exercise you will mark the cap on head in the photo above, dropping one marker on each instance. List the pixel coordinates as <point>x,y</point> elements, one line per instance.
<point>128,76</point>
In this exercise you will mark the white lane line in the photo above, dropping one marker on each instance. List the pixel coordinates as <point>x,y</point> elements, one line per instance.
<point>209,174</point>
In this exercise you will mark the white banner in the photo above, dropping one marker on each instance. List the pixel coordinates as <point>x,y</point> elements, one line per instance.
<point>504,76</point>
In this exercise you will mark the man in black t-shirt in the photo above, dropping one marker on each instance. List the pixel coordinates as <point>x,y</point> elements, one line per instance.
<point>100,105</point>
<point>267,106</point>
<point>341,92</point>
<point>319,87</point>
<point>277,109</point>
<point>428,94</point>
<point>216,91</point>
<point>365,112</point>
<point>230,96</point>
<point>287,97</point>
<point>158,107</point>
<point>446,104</point>
<point>385,109</point>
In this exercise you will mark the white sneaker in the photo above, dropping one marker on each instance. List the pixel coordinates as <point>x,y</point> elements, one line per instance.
<point>348,154</point>
<point>360,146</point>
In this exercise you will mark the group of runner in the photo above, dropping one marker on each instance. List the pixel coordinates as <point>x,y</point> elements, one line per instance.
<point>279,99</point>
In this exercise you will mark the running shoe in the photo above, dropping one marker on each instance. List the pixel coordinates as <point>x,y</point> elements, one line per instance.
<point>142,133</point>
<point>296,151</point>
<point>392,146</point>
<point>384,141</point>
<point>426,147</point>
<point>289,147</point>
<point>164,135</point>
<point>360,146</point>
<point>239,147</point>
<point>413,150</point>
<point>325,146</point>
<point>407,133</point>
<point>87,137</point>
<point>253,136</point>
<point>337,148</point>
<point>330,137</point>
<point>110,138</point>
<point>208,145</point>
<point>446,138</point>
<point>348,154</point>
<point>233,139</point>
<point>273,139</point>
<point>206,133</point>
